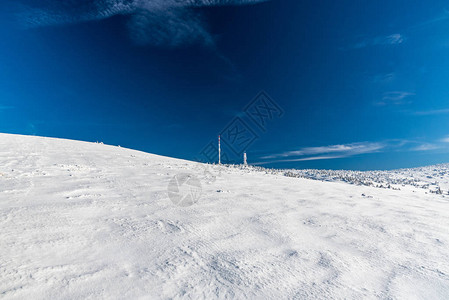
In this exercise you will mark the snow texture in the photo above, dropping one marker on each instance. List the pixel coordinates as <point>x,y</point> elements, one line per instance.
<point>90,221</point>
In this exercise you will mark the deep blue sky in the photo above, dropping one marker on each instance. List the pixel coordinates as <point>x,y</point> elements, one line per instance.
<point>362,84</point>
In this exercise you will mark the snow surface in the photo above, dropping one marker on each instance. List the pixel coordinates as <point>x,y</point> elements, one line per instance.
<point>84,220</point>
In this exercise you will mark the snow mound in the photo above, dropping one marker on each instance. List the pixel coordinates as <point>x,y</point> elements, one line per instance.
<point>86,220</point>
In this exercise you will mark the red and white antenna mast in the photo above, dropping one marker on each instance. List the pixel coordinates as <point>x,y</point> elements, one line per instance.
<point>219,151</point>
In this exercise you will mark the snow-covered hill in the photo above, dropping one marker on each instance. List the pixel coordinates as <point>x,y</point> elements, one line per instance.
<point>431,179</point>
<point>83,220</point>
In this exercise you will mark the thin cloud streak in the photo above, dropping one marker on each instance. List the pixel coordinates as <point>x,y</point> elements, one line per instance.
<point>426,147</point>
<point>442,17</point>
<point>348,150</point>
<point>432,112</point>
<point>158,22</point>
<point>445,139</point>
<point>300,159</point>
<point>342,150</point>
<point>392,39</point>
<point>395,98</point>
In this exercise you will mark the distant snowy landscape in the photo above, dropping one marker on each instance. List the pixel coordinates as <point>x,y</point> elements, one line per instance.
<point>85,220</point>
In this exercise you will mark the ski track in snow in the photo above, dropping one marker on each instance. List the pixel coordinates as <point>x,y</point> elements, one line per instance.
<point>86,221</point>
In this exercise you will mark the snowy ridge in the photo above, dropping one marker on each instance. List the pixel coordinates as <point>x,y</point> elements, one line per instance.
<point>432,179</point>
<point>83,220</point>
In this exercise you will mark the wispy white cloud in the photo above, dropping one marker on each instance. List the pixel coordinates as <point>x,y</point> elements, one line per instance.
<point>158,22</point>
<point>396,98</point>
<point>337,151</point>
<point>426,147</point>
<point>444,16</point>
<point>432,112</point>
<point>438,144</point>
<point>352,149</point>
<point>384,78</point>
<point>323,157</point>
<point>445,139</point>
<point>392,39</point>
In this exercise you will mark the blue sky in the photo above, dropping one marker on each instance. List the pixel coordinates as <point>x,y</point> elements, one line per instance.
<point>354,84</point>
